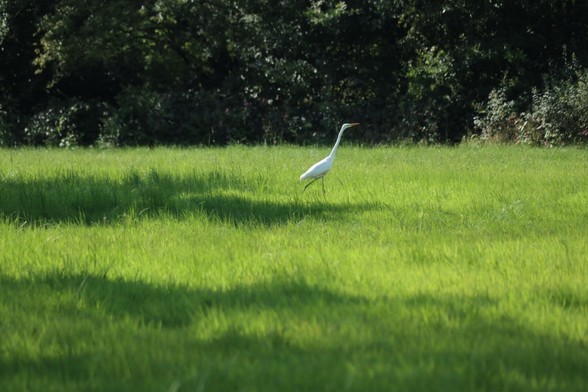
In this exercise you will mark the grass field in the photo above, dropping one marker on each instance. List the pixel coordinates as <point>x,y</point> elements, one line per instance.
<point>420,269</point>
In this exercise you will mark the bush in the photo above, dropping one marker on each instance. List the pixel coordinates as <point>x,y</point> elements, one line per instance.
<point>557,114</point>
<point>4,128</point>
<point>497,121</point>
<point>66,124</point>
<point>144,116</point>
<point>561,109</point>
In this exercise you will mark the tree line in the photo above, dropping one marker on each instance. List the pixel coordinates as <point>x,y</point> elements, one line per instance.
<point>123,72</point>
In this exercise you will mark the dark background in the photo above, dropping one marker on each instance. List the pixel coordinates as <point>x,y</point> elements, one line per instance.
<point>126,72</point>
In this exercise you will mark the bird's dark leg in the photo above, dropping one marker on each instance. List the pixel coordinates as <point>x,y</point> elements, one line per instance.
<point>307,185</point>
<point>323,185</point>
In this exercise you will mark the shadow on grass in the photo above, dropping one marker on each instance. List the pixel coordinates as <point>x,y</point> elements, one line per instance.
<point>86,327</point>
<point>74,198</point>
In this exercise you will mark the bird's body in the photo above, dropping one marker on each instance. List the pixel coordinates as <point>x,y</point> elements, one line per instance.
<point>319,169</point>
<point>322,167</point>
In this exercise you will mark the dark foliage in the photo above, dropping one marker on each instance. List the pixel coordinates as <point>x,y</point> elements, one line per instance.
<point>268,71</point>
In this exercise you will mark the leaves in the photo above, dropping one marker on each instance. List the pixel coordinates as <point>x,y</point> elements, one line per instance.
<point>274,71</point>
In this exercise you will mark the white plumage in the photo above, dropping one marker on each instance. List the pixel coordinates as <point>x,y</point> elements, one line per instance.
<point>321,168</point>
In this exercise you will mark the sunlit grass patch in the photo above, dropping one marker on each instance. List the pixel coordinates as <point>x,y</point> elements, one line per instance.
<point>186,269</point>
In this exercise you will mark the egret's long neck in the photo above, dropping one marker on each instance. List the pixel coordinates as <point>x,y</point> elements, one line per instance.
<point>334,150</point>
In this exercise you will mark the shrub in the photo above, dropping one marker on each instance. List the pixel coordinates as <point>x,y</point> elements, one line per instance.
<point>144,116</point>
<point>66,124</point>
<point>561,109</point>
<point>497,121</point>
<point>557,114</point>
<point>4,129</point>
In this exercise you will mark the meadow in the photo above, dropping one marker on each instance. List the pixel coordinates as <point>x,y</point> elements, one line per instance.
<point>208,269</point>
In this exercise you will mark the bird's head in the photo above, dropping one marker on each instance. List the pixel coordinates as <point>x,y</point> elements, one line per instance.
<point>348,125</point>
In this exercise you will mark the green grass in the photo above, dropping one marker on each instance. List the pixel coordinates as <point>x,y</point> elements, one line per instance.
<point>208,269</point>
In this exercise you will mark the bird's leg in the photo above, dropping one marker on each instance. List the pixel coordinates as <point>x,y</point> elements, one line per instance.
<point>323,178</point>
<point>307,185</point>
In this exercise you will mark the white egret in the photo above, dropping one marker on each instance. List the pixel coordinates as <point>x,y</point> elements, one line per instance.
<point>321,168</point>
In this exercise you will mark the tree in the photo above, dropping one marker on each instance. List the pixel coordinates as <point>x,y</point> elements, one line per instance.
<point>216,71</point>
<point>21,88</point>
